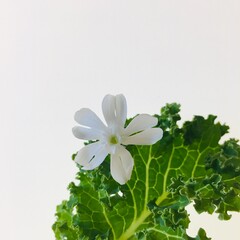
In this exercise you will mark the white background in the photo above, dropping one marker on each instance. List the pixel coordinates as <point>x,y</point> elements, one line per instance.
<point>57,56</point>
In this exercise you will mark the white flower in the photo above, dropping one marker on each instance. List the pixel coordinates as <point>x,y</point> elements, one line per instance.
<point>113,137</point>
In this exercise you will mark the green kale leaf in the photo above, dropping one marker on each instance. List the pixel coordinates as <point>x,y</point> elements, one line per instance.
<point>187,165</point>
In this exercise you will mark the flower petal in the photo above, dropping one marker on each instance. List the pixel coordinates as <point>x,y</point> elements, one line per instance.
<point>115,110</point>
<point>97,160</point>
<point>121,109</point>
<point>88,118</point>
<point>86,133</point>
<point>121,165</point>
<point>109,109</point>
<point>140,123</point>
<point>91,156</point>
<point>146,137</point>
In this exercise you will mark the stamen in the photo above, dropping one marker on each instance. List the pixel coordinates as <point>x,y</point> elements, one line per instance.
<point>113,139</point>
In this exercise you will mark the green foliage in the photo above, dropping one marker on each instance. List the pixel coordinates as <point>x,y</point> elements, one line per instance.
<point>187,165</point>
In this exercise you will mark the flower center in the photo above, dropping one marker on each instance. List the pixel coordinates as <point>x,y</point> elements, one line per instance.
<point>113,139</point>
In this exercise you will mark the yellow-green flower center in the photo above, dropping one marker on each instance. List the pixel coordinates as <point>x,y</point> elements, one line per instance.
<point>113,139</point>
